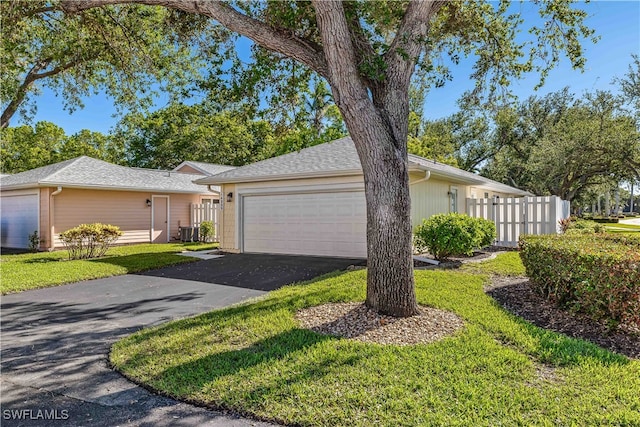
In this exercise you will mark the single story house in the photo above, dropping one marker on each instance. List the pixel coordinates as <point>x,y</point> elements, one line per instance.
<point>312,202</point>
<point>148,205</point>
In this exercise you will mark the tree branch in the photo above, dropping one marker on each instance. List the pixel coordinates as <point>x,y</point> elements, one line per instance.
<point>261,33</point>
<point>33,75</point>
<point>409,40</point>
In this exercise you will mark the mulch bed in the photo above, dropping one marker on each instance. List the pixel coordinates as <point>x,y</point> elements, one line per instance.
<point>517,296</point>
<point>358,322</point>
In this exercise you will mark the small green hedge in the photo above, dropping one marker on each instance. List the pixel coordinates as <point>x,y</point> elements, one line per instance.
<point>89,240</point>
<point>595,274</point>
<point>445,235</point>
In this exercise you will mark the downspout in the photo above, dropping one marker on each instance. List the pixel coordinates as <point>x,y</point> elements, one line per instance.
<point>427,175</point>
<point>51,217</point>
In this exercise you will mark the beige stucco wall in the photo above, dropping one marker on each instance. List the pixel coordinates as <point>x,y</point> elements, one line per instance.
<point>126,209</point>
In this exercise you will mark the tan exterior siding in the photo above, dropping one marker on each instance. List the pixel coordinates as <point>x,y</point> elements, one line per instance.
<point>430,197</point>
<point>228,219</point>
<point>180,213</point>
<point>479,193</point>
<point>427,198</point>
<point>45,225</point>
<point>126,209</point>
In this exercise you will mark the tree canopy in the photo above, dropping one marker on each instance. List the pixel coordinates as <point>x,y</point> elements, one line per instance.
<point>562,146</point>
<point>28,147</point>
<point>368,52</point>
<point>122,50</point>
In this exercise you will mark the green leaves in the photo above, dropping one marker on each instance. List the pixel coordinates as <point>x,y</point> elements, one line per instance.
<point>559,145</point>
<point>25,147</point>
<point>445,235</point>
<point>122,50</point>
<point>596,274</point>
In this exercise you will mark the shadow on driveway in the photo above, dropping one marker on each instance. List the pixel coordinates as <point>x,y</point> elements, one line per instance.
<point>261,272</point>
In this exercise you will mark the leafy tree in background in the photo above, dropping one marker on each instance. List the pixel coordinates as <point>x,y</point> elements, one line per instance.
<point>433,140</point>
<point>26,147</point>
<point>368,52</point>
<point>121,50</point>
<point>561,146</point>
<point>166,137</point>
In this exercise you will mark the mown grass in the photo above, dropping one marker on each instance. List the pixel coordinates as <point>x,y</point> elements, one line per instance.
<point>499,370</point>
<point>44,269</point>
<point>505,264</point>
<point>622,228</point>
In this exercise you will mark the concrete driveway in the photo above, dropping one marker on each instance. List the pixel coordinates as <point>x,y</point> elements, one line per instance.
<point>55,341</point>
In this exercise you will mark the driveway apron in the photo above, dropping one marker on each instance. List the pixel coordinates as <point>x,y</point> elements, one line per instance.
<point>55,341</point>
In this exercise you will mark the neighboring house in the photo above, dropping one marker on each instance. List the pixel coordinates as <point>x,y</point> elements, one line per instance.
<point>312,202</point>
<point>148,205</point>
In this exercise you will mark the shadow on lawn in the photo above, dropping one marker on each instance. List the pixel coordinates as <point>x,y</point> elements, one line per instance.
<point>194,376</point>
<point>143,261</point>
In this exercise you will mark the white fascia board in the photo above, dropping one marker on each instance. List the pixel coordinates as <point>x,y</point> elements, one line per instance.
<point>280,177</point>
<point>118,188</point>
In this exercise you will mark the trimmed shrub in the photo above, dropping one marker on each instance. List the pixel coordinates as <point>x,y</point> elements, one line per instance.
<point>582,226</point>
<point>452,234</point>
<point>207,231</point>
<point>595,274</point>
<point>89,240</point>
<point>606,220</point>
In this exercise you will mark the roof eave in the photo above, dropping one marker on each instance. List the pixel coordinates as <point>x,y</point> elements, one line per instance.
<point>103,187</point>
<point>212,180</point>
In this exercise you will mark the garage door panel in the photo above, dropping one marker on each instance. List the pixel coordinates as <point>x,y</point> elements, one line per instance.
<point>327,224</point>
<point>19,219</point>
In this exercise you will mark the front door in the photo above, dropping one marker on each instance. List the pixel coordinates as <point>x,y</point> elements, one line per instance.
<point>160,219</point>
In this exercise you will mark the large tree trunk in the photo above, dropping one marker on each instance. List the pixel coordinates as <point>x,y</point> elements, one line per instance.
<point>390,283</point>
<point>379,135</point>
<point>375,109</point>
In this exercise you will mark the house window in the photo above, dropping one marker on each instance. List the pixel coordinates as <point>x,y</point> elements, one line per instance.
<point>453,200</point>
<point>209,201</point>
<point>486,195</point>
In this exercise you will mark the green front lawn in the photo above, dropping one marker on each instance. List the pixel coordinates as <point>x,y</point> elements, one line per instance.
<point>499,370</point>
<point>43,269</point>
<point>622,228</point>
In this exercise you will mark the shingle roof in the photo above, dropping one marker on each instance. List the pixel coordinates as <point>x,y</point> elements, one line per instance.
<point>86,172</point>
<point>332,157</point>
<point>339,157</point>
<point>205,168</point>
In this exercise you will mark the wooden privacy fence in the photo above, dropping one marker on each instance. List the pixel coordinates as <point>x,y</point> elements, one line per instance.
<point>206,212</point>
<point>516,216</point>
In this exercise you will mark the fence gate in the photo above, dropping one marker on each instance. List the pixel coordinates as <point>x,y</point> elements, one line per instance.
<point>516,216</point>
<point>206,212</point>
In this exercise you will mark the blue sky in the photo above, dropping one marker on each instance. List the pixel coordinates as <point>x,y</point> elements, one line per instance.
<point>616,22</point>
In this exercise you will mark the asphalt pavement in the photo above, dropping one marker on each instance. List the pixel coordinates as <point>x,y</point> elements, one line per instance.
<point>55,341</point>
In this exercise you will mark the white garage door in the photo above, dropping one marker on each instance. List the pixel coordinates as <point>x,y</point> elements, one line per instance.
<point>19,219</point>
<point>324,224</point>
